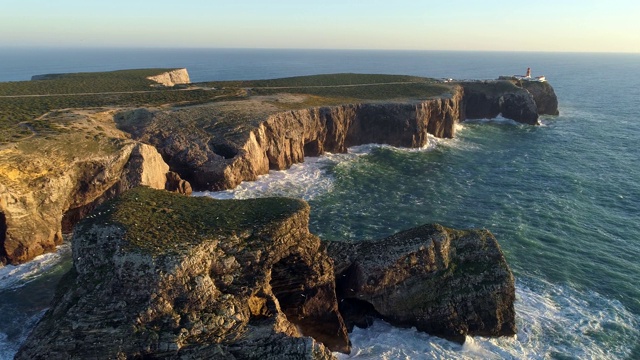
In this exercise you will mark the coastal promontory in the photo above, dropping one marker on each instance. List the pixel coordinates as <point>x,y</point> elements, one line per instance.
<point>67,139</point>
<point>165,276</point>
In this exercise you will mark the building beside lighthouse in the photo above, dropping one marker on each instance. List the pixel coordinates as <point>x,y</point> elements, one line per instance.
<point>528,77</point>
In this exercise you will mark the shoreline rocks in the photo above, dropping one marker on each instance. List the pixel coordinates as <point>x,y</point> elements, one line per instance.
<point>163,275</point>
<point>446,282</point>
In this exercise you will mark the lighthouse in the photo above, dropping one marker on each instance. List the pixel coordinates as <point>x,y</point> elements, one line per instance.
<point>528,76</point>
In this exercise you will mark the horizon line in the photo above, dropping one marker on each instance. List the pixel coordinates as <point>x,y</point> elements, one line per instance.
<point>128,47</point>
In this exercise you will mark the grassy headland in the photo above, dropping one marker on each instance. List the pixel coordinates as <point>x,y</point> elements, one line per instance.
<point>160,222</point>
<point>23,103</point>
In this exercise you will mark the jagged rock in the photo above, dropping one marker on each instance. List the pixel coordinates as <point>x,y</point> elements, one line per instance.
<point>175,183</point>
<point>171,78</point>
<point>487,100</point>
<point>161,275</point>
<point>446,282</point>
<point>214,160</point>
<point>37,205</point>
<point>544,96</point>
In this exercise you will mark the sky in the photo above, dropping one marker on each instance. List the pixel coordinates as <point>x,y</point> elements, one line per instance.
<point>488,25</point>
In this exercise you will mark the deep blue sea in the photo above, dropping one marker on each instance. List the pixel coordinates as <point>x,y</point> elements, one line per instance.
<point>563,198</point>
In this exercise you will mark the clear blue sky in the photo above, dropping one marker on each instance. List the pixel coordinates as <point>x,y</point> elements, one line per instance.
<point>544,25</point>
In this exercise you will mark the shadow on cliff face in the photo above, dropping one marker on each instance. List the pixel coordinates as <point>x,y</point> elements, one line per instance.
<point>3,236</point>
<point>355,312</point>
<point>288,278</point>
<point>309,304</point>
<point>225,150</point>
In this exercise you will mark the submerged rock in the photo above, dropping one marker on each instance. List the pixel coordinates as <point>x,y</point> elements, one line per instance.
<point>445,282</point>
<point>162,275</point>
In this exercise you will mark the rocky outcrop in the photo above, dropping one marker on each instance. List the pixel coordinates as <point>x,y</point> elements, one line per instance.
<point>164,276</point>
<point>445,282</point>
<point>213,161</point>
<point>176,184</point>
<point>543,95</point>
<point>36,204</point>
<point>158,275</point>
<point>487,100</point>
<point>172,78</point>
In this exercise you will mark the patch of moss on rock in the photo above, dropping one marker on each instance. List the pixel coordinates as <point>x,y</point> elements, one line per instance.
<point>160,222</point>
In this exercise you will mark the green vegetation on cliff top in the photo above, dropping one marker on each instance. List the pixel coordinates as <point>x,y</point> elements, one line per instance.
<point>75,83</point>
<point>160,222</point>
<point>23,103</point>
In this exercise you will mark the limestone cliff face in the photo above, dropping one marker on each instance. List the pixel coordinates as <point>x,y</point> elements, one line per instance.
<point>212,162</point>
<point>164,276</point>
<point>446,282</point>
<point>543,95</point>
<point>160,275</point>
<point>487,100</point>
<point>34,209</point>
<point>171,78</point>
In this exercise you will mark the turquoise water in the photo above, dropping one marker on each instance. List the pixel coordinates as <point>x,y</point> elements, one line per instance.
<point>563,199</point>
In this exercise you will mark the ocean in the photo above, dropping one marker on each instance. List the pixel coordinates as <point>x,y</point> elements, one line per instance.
<point>563,199</point>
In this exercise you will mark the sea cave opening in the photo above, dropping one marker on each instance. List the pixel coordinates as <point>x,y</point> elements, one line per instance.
<point>225,150</point>
<point>288,279</point>
<point>312,148</point>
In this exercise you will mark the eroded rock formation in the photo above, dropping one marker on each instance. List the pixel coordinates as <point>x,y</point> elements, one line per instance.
<point>446,282</point>
<point>217,146</point>
<point>211,161</point>
<point>544,96</point>
<point>487,100</point>
<point>38,201</point>
<point>171,78</point>
<point>158,275</point>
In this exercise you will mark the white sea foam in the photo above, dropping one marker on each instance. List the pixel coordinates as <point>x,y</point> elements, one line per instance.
<point>552,321</point>
<point>13,276</point>
<point>306,180</point>
<point>313,177</point>
<point>497,120</point>
<point>9,347</point>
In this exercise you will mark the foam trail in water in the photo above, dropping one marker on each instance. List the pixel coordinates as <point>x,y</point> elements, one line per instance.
<point>313,177</point>
<point>13,276</point>
<point>500,120</point>
<point>553,322</point>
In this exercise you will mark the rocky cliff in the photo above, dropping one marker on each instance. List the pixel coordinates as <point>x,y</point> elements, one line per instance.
<point>171,78</point>
<point>158,275</point>
<point>211,159</point>
<point>487,100</point>
<point>46,185</point>
<point>217,146</point>
<point>213,153</point>
<point>446,282</point>
<point>543,95</point>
